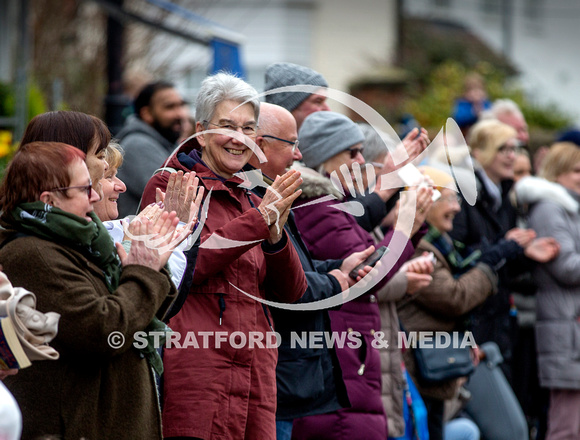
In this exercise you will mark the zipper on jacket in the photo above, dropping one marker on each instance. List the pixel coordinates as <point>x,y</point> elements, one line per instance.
<point>222,303</point>
<point>267,316</point>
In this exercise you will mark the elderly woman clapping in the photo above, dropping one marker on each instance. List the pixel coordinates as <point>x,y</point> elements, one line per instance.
<point>229,389</point>
<point>55,245</point>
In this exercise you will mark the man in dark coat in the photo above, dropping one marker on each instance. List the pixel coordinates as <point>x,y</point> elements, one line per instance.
<point>309,380</point>
<point>148,138</point>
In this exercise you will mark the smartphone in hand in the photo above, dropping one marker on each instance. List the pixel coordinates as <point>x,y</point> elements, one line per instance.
<point>370,261</point>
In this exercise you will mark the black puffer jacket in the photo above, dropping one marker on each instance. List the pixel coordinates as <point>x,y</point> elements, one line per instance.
<point>479,227</point>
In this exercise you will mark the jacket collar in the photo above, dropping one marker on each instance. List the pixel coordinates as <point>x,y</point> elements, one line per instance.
<point>137,125</point>
<point>185,161</point>
<point>530,190</point>
<point>315,184</point>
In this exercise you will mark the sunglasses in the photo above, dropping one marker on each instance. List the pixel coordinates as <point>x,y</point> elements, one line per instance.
<point>354,152</point>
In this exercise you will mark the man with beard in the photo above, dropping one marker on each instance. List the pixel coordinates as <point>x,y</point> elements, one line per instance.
<point>148,138</point>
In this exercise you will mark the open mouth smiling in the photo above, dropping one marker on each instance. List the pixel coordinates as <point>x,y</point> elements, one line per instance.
<point>235,152</point>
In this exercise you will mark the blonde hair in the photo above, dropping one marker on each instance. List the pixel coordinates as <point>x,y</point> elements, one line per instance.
<point>488,136</point>
<point>114,155</point>
<point>562,158</point>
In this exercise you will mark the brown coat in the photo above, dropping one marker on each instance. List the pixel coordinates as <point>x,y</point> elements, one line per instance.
<point>227,392</point>
<point>441,307</point>
<point>93,391</point>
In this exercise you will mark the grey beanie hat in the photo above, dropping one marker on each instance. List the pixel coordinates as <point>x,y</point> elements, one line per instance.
<point>288,74</point>
<point>324,135</point>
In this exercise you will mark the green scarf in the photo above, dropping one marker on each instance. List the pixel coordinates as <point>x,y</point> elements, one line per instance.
<point>453,251</point>
<point>92,240</point>
<point>89,238</point>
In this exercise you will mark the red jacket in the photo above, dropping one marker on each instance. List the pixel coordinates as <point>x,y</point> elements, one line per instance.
<point>226,392</point>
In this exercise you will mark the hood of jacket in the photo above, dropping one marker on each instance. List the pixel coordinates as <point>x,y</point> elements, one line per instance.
<point>135,125</point>
<point>315,184</point>
<point>530,190</point>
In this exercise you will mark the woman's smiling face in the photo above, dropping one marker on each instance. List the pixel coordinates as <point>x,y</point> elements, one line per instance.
<point>443,211</point>
<point>226,155</point>
<point>106,209</point>
<point>75,198</point>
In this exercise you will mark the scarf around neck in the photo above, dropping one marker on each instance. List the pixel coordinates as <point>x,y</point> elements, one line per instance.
<point>90,238</point>
<point>453,251</point>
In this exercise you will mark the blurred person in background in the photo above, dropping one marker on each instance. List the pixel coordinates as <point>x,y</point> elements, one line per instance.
<point>491,220</point>
<point>526,384</point>
<point>554,211</point>
<point>572,135</point>
<point>508,112</point>
<point>472,103</point>
<point>148,138</point>
<point>462,280</point>
<point>522,164</point>
<point>300,104</point>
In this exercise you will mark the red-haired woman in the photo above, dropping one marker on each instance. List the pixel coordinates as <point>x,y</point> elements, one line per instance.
<point>54,244</point>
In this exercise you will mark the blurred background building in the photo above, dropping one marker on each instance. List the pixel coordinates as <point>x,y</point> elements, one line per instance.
<point>538,37</point>
<point>406,58</point>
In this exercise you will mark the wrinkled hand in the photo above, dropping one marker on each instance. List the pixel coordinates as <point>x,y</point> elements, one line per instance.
<point>182,195</point>
<point>417,281</point>
<point>523,237</point>
<point>153,242</point>
<point>542,249</point>
<point>277,201</point>
<point>151,212</point>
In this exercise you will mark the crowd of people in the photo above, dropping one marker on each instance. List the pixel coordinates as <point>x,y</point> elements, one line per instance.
<point>241,295</point>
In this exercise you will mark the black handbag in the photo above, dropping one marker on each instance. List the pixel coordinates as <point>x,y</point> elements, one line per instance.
<point>441,364</point>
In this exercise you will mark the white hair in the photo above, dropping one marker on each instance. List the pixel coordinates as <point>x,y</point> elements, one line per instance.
<point>223,87</point>
<point>501,107</point>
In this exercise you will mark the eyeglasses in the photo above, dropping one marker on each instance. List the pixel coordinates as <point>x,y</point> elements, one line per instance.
<point>248,130</point>
<point>293,143</point>
<point>451,198</point>
<point>88,188</point>
<point>354,152</point>
<point>507,149</point>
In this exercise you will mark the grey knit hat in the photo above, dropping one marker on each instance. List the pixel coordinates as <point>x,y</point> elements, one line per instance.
<point>288,74</point>
<point>324,135</point>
